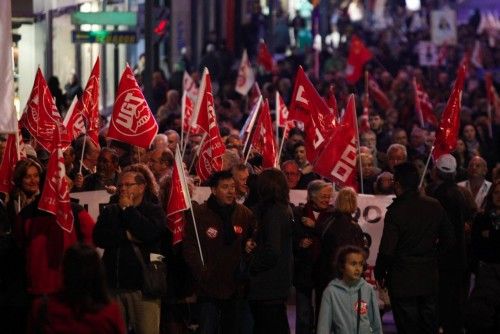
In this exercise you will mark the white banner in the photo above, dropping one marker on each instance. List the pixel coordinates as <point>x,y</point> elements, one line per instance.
<point>8,119</point>
<point>427,54</point>
<point>370,213</point>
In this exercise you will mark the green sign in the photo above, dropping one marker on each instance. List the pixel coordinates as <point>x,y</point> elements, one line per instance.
<point>104,37</point>
<point>105,18</point>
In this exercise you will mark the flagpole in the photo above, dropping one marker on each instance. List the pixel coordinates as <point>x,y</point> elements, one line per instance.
<point>197,151</point>
<point>248,154</point>
<point>183,105</point>
<point>282,142</point>
<point>426,167</point>
<point>277,118</point>
<point>83,152</point>
<point>183,177</point>
<point>359,151</point>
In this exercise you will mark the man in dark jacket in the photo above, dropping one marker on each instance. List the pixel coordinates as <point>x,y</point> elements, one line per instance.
<point>132,222</point>
<point>415,228</point>
<point>453,285</point>
<point>224,229</point>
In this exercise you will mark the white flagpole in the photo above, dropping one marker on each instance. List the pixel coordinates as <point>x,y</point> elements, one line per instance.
<point>426,167</point>
<point>83,152</point>
<point>183,115</point>
<point>358,148</point>
<point>248,154</point>
<point>184,186</point>
<point>197,151</point>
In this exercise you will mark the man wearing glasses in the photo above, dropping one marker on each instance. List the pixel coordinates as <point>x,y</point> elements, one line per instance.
<point>126,230</point>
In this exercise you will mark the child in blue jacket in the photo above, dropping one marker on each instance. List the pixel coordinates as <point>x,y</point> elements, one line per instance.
<point>349,304</point>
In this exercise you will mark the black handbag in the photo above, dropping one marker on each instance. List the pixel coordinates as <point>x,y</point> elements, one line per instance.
<point>154,276</point>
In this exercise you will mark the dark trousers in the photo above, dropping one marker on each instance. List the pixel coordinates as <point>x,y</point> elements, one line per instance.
<point>220,316</point>
<point>452,296</point>
<point>415,315</point>
<point>304,311</point>
<point>269,317</point>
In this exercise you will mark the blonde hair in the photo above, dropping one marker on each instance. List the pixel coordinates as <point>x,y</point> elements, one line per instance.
<point>346,200</point>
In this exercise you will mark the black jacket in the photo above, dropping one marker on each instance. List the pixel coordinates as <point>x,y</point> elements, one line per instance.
<point>271,263</point>
<point>146,223</point>
<point>416,229</point>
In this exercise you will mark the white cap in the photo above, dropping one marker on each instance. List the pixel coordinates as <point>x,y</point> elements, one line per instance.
<point>446,163</point>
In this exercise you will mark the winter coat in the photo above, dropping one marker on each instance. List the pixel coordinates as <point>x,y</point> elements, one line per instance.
<point>339,309</point>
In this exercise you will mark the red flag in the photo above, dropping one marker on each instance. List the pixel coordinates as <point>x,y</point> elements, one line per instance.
<point>178,200</point>
<point>132,121</point>
<point>88,105</point>
<point>379,95</point>
<point>337,161</point>
<point>9,161</point>
<point>265,58</point>
<point>359,54</point>
<point>263,138</point>
<point>212,149</point>
<point>447,132</point>
<point>281,111</point>
<point>331,101</point>
<point>73,121</point>
<point>186,113</point>
<point>254,95</point>
<point>246,77</point>
<point>40,115</point>
<point>423,106</point>
<point>310,108</point>
<point>55,194</point>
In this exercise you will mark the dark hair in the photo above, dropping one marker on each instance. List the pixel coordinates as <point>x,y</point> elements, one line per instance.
<point>22,168</point>
<point>216,177</point>
<point>489,206</point>
<point>272,187</point>
<point>341,257</point>
<point>406,174</point>
<point>298,144</point>
<point>114,155</point>
<point>84,282</point>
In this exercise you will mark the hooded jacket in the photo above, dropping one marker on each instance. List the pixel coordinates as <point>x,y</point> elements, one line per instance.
<point>338,312</point>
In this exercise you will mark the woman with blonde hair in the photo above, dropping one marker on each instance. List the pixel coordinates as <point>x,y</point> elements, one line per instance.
<point>341,230</point>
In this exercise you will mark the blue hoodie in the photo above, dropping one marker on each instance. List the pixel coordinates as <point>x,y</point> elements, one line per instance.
<point>338,312</point>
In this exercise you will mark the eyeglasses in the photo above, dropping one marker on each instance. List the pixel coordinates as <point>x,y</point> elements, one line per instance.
<point>126,185</point>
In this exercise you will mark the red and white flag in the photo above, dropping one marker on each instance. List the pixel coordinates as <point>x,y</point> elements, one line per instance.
<point>423,106</point>
<point>132,121</point>
<point>310,108</point>
<point>447,132</point>
<point>212,148</point>
<point>189,86</point>
<point>358,56</point>
<point>493,99</point>
<point>73,121</point>
<point>186,116</point>
<point>40,115</point>
<point>263,138</point>
<point>246,77</point>
<point>253,95</point>
<point>337,161</point>
<point>331,101</point>
<point>88,104</point>
<point>9,161</point>
<point>8,118</point>
<point>264,57</point>
<point>248,127</point>
<point>178,200</point>
<point>55,195</point>
<point>379,95</point>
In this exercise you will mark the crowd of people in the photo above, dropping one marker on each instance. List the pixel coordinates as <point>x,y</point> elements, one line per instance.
<point>247,245</point>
